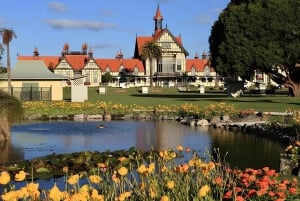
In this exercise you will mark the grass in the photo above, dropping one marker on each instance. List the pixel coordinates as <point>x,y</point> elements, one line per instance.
<point>279,102</point>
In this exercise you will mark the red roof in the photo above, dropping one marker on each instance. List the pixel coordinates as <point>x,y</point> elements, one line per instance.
<point>77,62</point>
<point>115,64</point>
<point>198,64</point>
<point>48,60</point>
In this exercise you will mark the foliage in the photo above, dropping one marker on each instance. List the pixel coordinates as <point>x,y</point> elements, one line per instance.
<point>11,107</point>
<point>106,77</point>
<point>100,107</point>
<point>250,35</point>
<point>3,70</point>
<point>181,174</point>
<point>7,36</point>
<point>151,51</point>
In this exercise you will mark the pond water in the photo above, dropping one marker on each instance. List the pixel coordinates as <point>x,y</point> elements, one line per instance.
<point>30,140</point>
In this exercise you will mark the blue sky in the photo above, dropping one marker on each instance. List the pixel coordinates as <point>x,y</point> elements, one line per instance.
<point>107,26</point>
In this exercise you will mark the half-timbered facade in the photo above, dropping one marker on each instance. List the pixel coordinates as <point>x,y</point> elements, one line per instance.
<point>173,65</point>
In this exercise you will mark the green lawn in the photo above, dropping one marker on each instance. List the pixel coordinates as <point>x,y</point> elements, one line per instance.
<point>279,102</point>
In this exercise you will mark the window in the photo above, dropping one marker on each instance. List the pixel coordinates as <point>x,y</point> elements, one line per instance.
<point>165,45</point>
<point>136,70</point>
<point>193,70</point>
<point>178,67</point>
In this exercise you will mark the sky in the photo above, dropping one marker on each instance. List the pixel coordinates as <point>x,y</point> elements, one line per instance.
<point>107,26</point>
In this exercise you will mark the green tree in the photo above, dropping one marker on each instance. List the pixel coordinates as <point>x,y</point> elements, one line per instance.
<point>258,34</point>
<point>11,111</point>
<point>7,36</point>
<point>151,51</point>
<point>106,77</point>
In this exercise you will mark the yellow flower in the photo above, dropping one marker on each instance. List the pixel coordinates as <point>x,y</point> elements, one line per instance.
<point>4,178</point>
<point>95,196</point>
<point>95,179</point>
<point>151,167</point>
<point>164,198</point>
<point>203,191</point>
<point>33,191</point>
<point>9,196</point>
<point>20,176</point>
<point>55,194</point>
<point>65,169</point>
<point>142,169</point>
<point>31,187</point>
<point>179,148</point>
<point>122,158</point>
<point>22,193</point>
<point>170,184</point>
<point>123,171</point>
<point>73,179</point>
<point>78,196</point>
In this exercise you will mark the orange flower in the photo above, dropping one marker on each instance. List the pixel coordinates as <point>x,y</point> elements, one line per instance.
<point>122,158</point>
<point>179,148</point>
<point>219,181</point>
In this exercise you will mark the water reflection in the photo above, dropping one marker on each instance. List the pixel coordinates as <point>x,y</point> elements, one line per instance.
<point>38,139</point>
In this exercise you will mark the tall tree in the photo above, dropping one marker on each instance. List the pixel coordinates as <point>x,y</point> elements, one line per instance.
<point>258,34</point>
<point>151,51</point>
<point>11,111</point>
<point>7,36</point>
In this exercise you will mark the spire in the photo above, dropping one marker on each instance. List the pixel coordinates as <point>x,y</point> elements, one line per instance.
<point>84,48</point>
<point>204,55</point>
<point>36,53</point>
<point>90,54</point>
<point>158,18</point>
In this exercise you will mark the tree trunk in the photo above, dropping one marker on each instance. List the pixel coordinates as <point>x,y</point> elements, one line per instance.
<point>151,73</point>
<point>4,126</point>
<point>295,87</point>
<point>8,69</point>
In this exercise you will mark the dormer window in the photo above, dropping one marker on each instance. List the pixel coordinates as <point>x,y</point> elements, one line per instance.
<point>122,69</point>
<point>136,70</point>
<point>193,70</point>
<point>107,70</point>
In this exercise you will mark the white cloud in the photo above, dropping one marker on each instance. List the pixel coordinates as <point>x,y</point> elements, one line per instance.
<point>79,24</point>
<point>57,7</point>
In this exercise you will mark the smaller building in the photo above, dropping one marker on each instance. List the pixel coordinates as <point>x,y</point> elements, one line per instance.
<point>31,80</point>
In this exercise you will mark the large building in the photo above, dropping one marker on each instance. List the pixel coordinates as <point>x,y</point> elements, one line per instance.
<point>172,69</point>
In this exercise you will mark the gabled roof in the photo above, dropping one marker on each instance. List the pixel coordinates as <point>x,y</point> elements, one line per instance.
<point>141,40</point>
<point>198,64</point>
<point>115,64</point>
<point>77,62</point>
<point>32,70</point>
<point>48,60</point>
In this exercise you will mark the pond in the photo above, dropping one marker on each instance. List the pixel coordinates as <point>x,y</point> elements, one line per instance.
<point>31,140</point>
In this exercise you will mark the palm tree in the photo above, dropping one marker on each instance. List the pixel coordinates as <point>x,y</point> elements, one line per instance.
<point>151,50</point>
<point>11,111</point>
<point>7,36</point>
